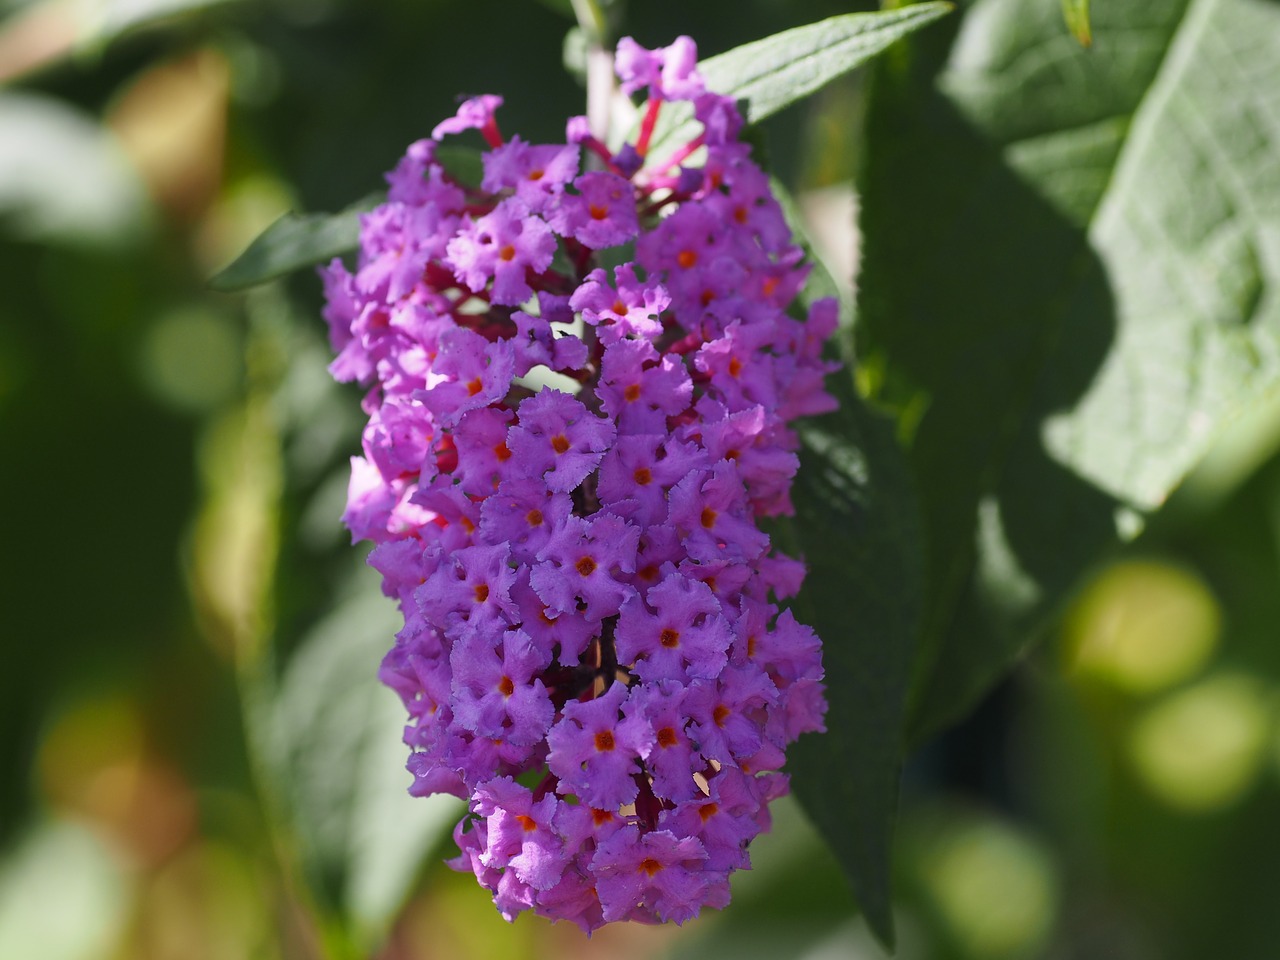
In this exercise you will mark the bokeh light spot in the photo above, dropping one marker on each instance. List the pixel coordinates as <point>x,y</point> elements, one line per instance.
<point>192,359</point>
<point>62,896</point>
<point>1199,749</point>
<point>994,888</point>
<point>1142,626</point>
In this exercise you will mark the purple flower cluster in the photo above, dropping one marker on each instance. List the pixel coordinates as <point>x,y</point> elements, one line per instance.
<point>593,655</point>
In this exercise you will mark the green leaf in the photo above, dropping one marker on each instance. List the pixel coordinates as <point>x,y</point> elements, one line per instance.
<point>775,72</point>
<point>332,734</point>
<point>294,241</point>
<point>1070,267</point>
<point>859,532</point>
<point>305,240</point>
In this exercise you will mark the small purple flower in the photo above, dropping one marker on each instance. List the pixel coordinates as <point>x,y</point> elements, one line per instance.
<point>480,439</point>
<point>522,514</point>
<point>496,690</point>
<point>670,73</point>
<point>567,634</point>
<point>536,174</point>
<point>502,246</point>
<point>473,373</point>
<point>721,821</point>
<point>520,834</point>
<point>723,727</point>
<point>586,562</point>
<point>596,749</point>
<point>642,469</point>
<point>472,588</point>
<point>672,760</point>
<point>558,439</point>
<point>601,214</point>
<point>398,439</point>
<point>639,389</point>
<point>475,113</point>
<point>655,871</point>
<point>675,633</point>
<point>742,375</point>
<point>632,309</point>
<point>709,507</point>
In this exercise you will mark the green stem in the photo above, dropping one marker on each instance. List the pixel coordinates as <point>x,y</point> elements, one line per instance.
<point>600,82</point>
<point>592,20</point>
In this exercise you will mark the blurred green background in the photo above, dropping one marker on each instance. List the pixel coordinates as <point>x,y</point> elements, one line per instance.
<point>173,469</point>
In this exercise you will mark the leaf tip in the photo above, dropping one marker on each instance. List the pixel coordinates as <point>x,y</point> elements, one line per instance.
<point>1076,15</point>
<point>882,929</point>
<point>225,280</point>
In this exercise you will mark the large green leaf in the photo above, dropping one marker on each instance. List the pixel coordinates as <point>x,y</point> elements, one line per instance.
<point>330,733</point>
<point>1071,265</point>
<point>858,526</point>
<point>770,74</point>
<point>859,532</point>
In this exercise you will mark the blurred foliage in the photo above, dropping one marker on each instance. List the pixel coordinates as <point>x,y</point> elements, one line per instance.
<point>1113,800</point>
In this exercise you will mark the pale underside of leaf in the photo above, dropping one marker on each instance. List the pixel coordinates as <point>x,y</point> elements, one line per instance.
<point>1102,250</point>
<point>780,70</point>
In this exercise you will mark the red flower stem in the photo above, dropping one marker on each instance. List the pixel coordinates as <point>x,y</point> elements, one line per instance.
<point>647,124</point>
<point>680,155</point>
<point>491,133</point>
